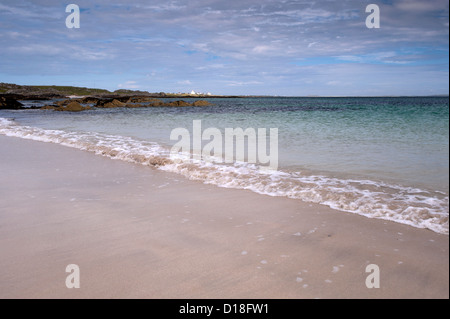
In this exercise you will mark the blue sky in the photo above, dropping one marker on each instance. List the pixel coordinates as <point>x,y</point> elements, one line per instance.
<point>267,47</point>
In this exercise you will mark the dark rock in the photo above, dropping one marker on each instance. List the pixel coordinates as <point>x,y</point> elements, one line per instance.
<point>73,107</point>
<point>109,103</point>
<point>89,100</point>
<point>143,99</point>
<point>7,103</point>
<point>66,102</point>
<point>179,103</point>
<point>156,104</point>
<point>201,103</point>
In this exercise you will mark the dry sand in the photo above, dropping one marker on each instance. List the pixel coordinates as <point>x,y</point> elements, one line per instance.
<point>136,232</point>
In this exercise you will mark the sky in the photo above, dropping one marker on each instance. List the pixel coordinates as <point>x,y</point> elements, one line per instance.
<point>242,47</point>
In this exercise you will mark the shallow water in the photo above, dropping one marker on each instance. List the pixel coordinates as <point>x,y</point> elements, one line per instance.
<point>379,157</point>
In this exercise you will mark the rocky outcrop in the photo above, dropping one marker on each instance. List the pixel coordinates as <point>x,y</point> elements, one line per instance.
<point>89,100</point>
<point>85,100</point>
<point>143,99</point>
<point>109,104</point>
<point>201,103</point>
<point>73,107</point>
<point>179,103</point>
<point>8,103</point>
<point>157,103</point>
<point>66,102</point>
<point>77,105</point>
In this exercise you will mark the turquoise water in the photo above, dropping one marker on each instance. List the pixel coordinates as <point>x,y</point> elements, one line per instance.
<point>379,157</point>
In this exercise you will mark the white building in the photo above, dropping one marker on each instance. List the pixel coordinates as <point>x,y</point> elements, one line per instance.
<point>199,93</point>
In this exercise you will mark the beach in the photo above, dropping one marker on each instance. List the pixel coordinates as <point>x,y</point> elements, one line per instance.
<point>138,232</point>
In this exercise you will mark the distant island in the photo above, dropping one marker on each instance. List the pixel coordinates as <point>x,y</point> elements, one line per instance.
<point>44,92</point>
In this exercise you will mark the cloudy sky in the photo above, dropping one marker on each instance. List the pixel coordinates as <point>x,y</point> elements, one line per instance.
<point>269,47</point>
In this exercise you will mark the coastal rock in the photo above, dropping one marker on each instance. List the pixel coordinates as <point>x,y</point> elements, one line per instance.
<point>73,107</point>
<point>76,105</point>
<point>67,102</point>
<point>143,99</point>
<point>156,104</point>
<point>7,103</point>
<point>179,103</point>
<point>89,100</point>
<point>62,103</point>
<point>110,104</point>
<point>201,103</point>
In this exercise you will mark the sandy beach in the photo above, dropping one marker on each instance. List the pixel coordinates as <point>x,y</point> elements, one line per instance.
<point>136,232</point>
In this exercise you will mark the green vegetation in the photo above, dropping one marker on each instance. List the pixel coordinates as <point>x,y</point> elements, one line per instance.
<point>33,91</point>
<point>49,89</point>
<point>70,90</point>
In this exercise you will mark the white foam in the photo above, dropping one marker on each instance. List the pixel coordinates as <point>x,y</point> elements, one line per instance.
<point>6,122</point>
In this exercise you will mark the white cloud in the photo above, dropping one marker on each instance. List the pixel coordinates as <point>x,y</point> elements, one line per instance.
<point>171,6</point>
<point>36,49</point>
<point>28,12</point>
<point>185,82</point>
<point>422,6</point>
<point>211,66</point>
<point>243,83</point>
<point>129,85</point>
<point>261,49</point>
<point>388,57</point>
<point>90,55</point>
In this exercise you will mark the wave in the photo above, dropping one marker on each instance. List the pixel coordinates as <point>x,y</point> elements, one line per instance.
<point>407,205</point>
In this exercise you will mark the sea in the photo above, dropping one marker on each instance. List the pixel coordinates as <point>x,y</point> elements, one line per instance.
<point>380,157</point>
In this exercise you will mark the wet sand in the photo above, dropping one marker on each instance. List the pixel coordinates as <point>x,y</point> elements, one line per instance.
<point>136,232</point>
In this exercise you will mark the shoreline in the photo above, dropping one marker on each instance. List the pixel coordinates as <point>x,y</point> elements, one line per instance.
<point>137,232</point>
